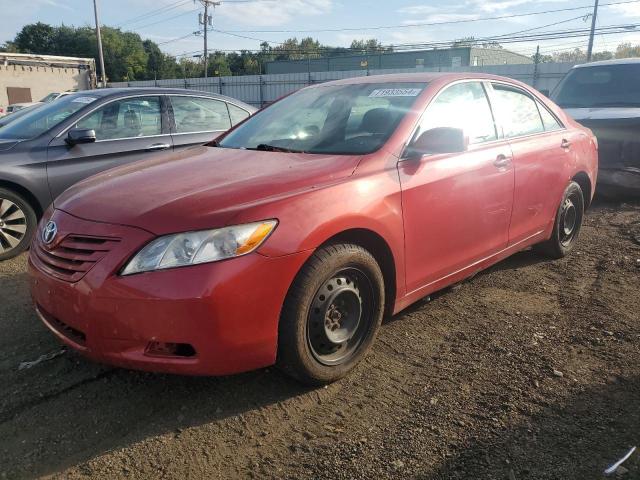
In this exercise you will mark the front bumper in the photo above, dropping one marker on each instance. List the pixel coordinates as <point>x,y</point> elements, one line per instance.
<point>227,311</point>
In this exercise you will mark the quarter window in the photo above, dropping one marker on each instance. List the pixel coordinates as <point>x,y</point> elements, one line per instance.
<point>237,114</point>
<point>549,121</point>
<point>127,118</point>
<point>518,111</point>
<point>197,114</point>
<point>464,106</point>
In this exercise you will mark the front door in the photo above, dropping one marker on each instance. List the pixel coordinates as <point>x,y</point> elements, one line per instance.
<point>127,130</point>
<point>456,207</point>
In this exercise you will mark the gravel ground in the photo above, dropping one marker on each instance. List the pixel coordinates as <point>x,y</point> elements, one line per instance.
<point>528,371</point>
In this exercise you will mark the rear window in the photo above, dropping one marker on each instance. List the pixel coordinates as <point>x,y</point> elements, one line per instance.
<point>600,86</point>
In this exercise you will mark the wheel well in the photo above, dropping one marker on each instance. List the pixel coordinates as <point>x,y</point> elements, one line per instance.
<point>378,247</point>
<point>26,194</point>
<point>584,181</point>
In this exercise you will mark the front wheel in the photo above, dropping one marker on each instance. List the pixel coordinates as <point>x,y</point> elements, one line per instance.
<point>17,223</point>
<point>331,314</point>
<point>567,224</point>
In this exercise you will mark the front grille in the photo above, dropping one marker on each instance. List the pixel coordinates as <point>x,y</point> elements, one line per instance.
<point>68,331</point>
<point>72,258</point>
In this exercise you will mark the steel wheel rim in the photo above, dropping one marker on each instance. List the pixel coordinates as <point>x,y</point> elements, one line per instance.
<point>13,225</point>
<point>340,316</point>
<point>569,221</point>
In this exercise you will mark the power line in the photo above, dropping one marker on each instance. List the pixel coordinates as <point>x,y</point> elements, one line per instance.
<point>170,18</point>
<point>542,36</point>
<point>429,24</point>
<point>154,13</point>
<point>232,33</point>
<point>181,38</point>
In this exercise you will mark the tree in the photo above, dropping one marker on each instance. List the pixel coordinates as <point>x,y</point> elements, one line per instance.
<point>126,57</point>
<point>368,46</point>
<point>474,42</point>
<point>159,64</point>
<point>219,65</point>
<point>605,55</point>
<point>626,50</point>
<point>37,38</point>
<point>8,47</point>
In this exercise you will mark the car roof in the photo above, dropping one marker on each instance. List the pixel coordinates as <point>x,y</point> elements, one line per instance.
<point>117,92</point>
<point>618,61</point>
<point>421,77</point>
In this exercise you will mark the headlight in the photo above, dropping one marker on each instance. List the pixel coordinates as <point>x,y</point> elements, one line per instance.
<point>199,247</point>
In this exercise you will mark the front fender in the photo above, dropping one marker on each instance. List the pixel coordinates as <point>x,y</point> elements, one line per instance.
<point>307,220</point>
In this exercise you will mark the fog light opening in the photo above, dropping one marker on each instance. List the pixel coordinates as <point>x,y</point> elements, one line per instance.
<point>165,349</point>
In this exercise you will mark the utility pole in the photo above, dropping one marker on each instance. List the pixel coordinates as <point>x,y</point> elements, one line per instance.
<point>206,22</point>
<point>593,31</point>
<point>101,55</point>
<point>535,67</point>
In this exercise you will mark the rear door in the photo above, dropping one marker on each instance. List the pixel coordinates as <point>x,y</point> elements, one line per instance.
<point>456,207</point>
<point>127,130</point>
<point>541,147</point>
<point>197,120</point>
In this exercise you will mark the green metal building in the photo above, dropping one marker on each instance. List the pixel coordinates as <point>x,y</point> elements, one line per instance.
<point>436,58</point>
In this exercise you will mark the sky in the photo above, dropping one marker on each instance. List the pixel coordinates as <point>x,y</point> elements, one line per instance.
<point>167,21</point>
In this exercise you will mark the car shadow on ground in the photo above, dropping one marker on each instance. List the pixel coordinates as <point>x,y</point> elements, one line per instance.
<point>577,438</point>
<point>71,410</point>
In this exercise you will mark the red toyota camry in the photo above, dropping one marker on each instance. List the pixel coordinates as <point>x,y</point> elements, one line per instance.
<point>288,240</point>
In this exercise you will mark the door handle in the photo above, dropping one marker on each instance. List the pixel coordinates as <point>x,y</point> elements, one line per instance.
<point>157,147</point>
<point>566,144</point>
<point>502,161</point>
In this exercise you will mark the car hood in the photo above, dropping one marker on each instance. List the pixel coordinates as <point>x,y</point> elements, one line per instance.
<point>199,188</point>
<point>602,113</point>
<point>8,144</point>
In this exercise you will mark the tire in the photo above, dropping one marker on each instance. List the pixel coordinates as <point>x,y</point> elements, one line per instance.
<point>567,224</point>
<point>331,314</point>
<point>18,222</point>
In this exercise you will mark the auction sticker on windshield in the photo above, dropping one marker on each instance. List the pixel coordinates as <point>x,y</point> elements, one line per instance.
<point>396,92</point>
<point>83,100</point>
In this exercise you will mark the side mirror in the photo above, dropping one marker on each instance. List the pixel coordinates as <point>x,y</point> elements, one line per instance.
<point>439,140</point>
<point>77,136</point>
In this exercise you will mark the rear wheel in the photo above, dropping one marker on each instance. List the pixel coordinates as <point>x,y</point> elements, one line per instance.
<point>567,224</point>
<point>331,314</point>
<point>17,224</point>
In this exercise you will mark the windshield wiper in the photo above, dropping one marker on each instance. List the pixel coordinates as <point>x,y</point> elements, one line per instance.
<point>273,148</point>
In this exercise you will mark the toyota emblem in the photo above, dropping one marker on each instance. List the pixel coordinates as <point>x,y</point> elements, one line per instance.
<point>49,232</point>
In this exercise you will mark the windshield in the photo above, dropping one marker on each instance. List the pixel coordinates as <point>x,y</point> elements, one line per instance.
<point>45,117</point>
<point>50,98</point>
<point>333,119</point>
<point>602,86</point>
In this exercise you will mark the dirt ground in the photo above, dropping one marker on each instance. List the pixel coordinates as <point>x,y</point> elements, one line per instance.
<point>528,371</point>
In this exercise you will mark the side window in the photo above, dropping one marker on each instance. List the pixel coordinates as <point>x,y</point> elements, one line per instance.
<point>518,111</point>
<point>197,114</point>
<point>465,106</point>
<point>548,120</point>
<point>127,118</point>
<point>237,114</point>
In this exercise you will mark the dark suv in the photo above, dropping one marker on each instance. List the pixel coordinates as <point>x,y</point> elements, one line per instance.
<point>78,135</point>
<point>605,97</point>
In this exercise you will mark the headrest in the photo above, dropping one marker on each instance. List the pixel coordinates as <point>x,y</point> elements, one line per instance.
<point>132,120</point>
<point>377,120</point>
